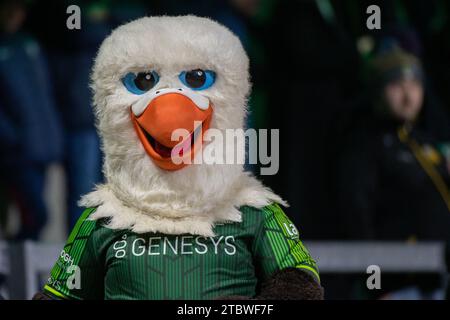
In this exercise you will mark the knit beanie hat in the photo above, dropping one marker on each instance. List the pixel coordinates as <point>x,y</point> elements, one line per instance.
<point>394,65</point>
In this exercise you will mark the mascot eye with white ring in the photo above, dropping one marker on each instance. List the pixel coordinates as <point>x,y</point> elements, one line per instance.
<point>141,82</point>
<point>198,79</point>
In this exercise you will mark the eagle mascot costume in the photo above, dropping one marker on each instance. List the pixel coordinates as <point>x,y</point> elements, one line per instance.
<point>165,227</point>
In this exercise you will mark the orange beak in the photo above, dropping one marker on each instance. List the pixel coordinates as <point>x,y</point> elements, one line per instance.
<point>165,114</point>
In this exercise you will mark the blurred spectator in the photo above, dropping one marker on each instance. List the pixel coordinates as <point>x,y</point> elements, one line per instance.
<point>30,130</point>
<point>393,178</point>
<point>393,174</point>
<point>71,54</point>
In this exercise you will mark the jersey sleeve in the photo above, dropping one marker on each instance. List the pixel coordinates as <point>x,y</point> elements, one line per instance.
<point>278,246</point>
<point>78,272</point>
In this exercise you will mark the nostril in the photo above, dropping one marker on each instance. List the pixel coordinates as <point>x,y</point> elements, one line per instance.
<point>180,89</point>
<point>157,92</point>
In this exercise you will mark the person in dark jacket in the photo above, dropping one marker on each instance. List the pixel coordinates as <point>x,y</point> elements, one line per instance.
<point>393,178</point>
<point>30,128</point>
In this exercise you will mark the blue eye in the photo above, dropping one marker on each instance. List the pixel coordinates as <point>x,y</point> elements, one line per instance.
<point>140,83</point>
<point>198,79</point>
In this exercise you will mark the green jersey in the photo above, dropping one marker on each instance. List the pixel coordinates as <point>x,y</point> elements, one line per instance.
<point>101,263</point>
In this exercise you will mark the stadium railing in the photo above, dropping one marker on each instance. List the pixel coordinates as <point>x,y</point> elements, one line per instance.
<point>26,265</point>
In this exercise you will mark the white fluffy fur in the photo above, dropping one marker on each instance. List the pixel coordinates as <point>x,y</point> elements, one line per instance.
<point>138,195</point>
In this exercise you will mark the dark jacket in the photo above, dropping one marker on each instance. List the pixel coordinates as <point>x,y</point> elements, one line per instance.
<point>384,191</point>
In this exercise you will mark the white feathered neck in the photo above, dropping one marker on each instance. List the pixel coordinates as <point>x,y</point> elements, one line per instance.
<point>177,214</point>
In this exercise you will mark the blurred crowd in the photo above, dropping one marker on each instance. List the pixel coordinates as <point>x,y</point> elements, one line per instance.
<point>364,115</point>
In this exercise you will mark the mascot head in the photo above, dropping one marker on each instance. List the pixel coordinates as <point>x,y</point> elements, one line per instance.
<point>153,77</point>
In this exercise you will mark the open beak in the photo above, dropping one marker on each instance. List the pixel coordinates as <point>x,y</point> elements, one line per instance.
<point>167,111</point>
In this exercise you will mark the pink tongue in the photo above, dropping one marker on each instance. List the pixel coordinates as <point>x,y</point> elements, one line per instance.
<point>183,146</point>
<point>166,152</point>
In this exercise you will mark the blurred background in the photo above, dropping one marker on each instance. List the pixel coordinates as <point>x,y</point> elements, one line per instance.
<point>364,119</point>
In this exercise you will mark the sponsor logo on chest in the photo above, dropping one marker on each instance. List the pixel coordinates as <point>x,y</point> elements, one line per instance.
<point>174,245</point>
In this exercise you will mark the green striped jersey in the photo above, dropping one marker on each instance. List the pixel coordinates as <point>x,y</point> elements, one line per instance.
<point>102,263</point>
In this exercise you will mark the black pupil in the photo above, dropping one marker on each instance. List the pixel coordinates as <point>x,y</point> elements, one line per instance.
<point>144,81</point>
<point>195,78</point>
